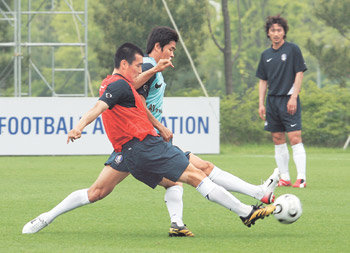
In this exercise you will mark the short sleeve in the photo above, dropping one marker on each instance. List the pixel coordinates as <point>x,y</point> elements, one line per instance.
<point>115,93</point>
<point>260,72</point>
<point>144,89</point>
<point>299,62</point>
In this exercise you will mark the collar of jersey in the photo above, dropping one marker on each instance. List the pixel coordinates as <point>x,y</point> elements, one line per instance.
<point>276,50</point>
<point>122,77</point>
<point>151,58</point>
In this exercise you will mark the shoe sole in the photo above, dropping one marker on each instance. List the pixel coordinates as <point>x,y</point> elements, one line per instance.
<point>284,184</point>
<point>300,186</point>
<point>179,233</point>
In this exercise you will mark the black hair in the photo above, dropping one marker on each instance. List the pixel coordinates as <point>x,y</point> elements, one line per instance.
<point>270,20</point>
<point>127,52</point>
<point>162,34</point>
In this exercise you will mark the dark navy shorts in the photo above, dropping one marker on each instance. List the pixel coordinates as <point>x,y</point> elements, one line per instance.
<point>277,117</point>
<point>150,160</point>
<point>116,161</point>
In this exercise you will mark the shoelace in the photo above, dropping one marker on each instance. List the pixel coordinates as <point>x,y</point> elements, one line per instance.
<point>38,223</point>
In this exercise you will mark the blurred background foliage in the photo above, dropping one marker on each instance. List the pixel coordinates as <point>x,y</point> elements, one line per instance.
<point>325,116</point>
<point>321,28</point>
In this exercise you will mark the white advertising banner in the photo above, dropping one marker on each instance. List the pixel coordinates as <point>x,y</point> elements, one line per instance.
<point>194,122</point>
<point>39,126</point>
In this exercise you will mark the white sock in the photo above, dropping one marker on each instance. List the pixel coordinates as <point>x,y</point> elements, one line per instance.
<point>282,160</point>
<point>235,184</point>
<point>219,195</point>
<point>299,156</point>
<point>72,201</point>
<point>173,201</point>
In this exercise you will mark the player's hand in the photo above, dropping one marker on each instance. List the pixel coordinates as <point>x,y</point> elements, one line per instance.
<point>163,64</point>
<point>73,135</point>
<point>262,112</point>
<point>292,105</point>
<point>166,134</point>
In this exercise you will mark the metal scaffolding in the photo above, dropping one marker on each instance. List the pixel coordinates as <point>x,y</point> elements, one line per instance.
<point>13,17</point>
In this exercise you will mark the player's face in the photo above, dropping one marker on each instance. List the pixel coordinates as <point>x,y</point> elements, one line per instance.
<point>168,50</point>
<point>276,34</point>
<point>135,68</point>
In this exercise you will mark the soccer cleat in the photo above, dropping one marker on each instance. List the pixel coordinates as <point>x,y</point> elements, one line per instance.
<point>34,225</point>
<point>269,186</point>
<point>258,212</point>
<point>300,183</point>
<point>176,231</point>
<point>284,183</point>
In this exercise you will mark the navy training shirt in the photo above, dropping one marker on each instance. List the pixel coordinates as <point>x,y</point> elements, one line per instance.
<point>279,67</point>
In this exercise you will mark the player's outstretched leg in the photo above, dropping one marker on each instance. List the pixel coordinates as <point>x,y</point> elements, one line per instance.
<point>258,212</point>
<point>219,195</point>
<point>103,185</point>
<point>233,183</point>
<point>72,201</point>
<point>35,225</point>
<point>269,186</point>
<point>248,214</point>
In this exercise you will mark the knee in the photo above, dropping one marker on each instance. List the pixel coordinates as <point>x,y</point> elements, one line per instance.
<point>169,184</point>
<point>279,138</point>
<point>97,193</point>
<point>196,178</point>
<point>295,141</point>
<point>206,167</point>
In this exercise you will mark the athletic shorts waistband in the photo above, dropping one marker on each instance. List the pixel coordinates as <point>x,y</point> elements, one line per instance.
<point>135,140</point>
<point>131,142</point>
<point>279,95</point>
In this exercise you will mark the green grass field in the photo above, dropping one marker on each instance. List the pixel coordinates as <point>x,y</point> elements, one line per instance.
<point>134,217</point>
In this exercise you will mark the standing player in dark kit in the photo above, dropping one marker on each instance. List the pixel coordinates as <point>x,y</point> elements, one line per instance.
<point>280,70</point>
<point>138,149</point>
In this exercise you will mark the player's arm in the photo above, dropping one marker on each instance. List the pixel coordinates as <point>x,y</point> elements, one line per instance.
<point>88,117</point>
<point>292,102</point>
<point>163,131</point>
<point>262,94</point>
<point>146,75</point>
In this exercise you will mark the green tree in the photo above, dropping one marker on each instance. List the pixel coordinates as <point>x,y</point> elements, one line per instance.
<point>326,115</point>
<point>226,49</point>
<point>240,122</point>
<point>248,37</point>
<point>6,53</point>
<point>333,55</point>
<point>132,21</point>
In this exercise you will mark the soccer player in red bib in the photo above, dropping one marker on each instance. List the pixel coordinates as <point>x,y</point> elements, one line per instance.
<point>138,149</point>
